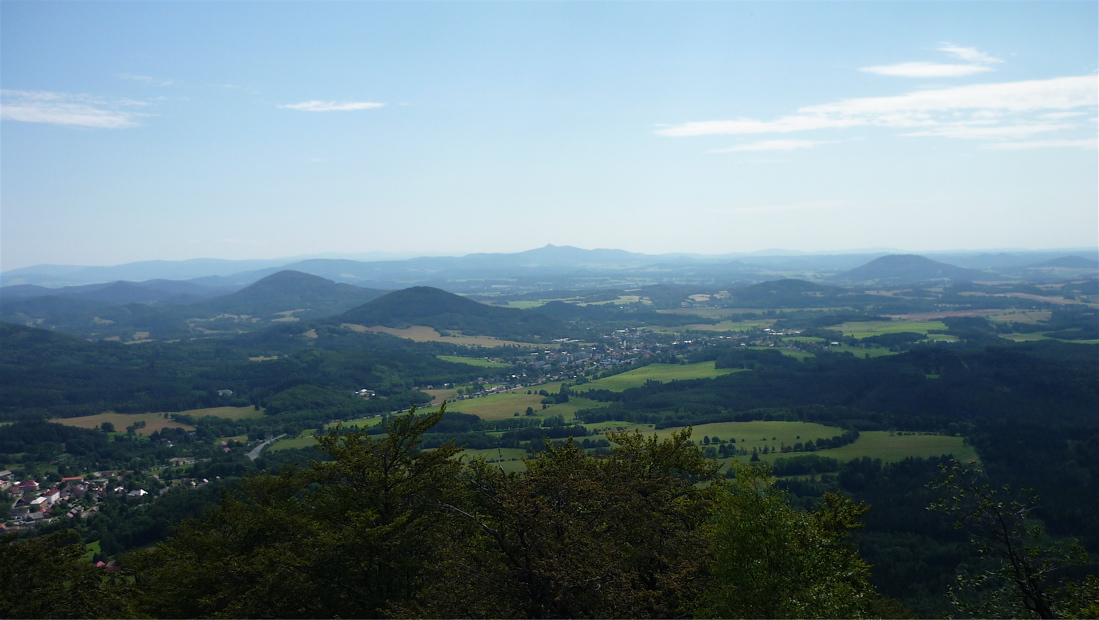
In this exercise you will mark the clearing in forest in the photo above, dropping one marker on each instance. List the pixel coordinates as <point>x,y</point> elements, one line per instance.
<point>656,372</point>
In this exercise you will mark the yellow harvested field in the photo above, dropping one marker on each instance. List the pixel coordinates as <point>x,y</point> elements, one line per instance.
<point>153,422</point>
<point>158,420</point>
<point>438,396</point>
<point>422,333</point>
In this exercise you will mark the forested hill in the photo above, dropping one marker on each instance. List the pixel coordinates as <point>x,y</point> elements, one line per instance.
<point>787,293</point>
<point>289,291</point>
<point>432,307</point>
<point>910,269</point>
<point>44,374</point>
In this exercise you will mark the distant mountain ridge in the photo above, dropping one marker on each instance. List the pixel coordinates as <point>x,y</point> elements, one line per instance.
<point>548,267</point>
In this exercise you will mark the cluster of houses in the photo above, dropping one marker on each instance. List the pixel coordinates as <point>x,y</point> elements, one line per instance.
<point>75,497</point>
<point>34,503</point>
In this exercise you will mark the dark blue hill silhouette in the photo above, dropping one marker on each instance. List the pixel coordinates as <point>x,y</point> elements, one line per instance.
<point>289,290</point>
<point>1070,262</point>
<point>432,307</point>
<point>910,269</point>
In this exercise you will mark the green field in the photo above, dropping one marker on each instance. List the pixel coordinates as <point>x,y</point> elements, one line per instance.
<point>866,329</point>
<point>723,326</point>
<point>861,352</point>
<point>359,422</point>
<point>472,361</point>
<point>1031,317</point>
<point>891,447</point>
<point>1034,337</point>
<point>568,410</point>
<point>303,440</point>
<point>500,406</point>
<point>508,459</point>
<point>760,433</point>
<point>794,353</point>
<point>232,413</point>
<point>91,549</point>
<point>656,372</point>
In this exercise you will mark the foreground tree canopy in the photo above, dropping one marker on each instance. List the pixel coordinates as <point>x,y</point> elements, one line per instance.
<point>388,530</point>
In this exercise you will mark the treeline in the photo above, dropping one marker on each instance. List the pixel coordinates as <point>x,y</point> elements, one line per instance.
<point>77,450</point>
<point>53,375</point>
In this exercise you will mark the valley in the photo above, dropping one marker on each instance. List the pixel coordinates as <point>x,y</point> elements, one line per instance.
<point>858,380</point>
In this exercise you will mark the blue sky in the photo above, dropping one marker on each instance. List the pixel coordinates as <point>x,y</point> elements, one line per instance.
<point>156,130</point>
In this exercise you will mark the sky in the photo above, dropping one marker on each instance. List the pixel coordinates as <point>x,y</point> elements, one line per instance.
<point>137,130</point>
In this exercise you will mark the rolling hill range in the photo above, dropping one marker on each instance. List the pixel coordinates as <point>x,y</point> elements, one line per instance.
<point>909,269</point>
<point>443,311</point>
<point>90,312</point>
<point>151,292</point>
<point>285,292</point>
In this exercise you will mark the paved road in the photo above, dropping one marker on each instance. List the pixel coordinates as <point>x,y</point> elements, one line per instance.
<point>254,453</point>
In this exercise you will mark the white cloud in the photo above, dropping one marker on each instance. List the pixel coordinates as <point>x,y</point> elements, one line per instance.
<point>332,106</point>
<point>1061,115</point>
<point>748,125</point>
<point>978,62</point>
<point>1086,143</point>
<point>773,145</point>
<point>968,54</point>
<point>66,109</point>
<point>819,205</point>
<point>1063,93</point>
<point>925,70</point>
<point>999,132</point>
<point>957,108</point>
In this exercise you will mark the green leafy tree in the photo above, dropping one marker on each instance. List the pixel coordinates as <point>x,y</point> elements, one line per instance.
<point>342,538</point>
<point>580,535</point>
<point>47,577</point>
<point>1022,575</point>
<point>771,561</point>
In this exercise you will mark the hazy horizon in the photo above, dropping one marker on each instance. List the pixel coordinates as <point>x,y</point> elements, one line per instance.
<point>172,131</point>
<point>398,256</point>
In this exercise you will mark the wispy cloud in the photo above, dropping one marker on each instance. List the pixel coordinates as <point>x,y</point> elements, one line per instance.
<point>999,132</point>
<point>750,125</point>
<point>992,111</point>
<point>977,62</point>
<point>67,109</point>
<point>1064,93</point>
<point>773,145</point>
<point>968,54</point>
<point>926,70</point>
<point>819,205</point>
<point>144,79</point>
<point>332,106</point>
<point>1086,143</point>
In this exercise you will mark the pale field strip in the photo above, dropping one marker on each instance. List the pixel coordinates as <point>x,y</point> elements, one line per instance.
<point>422,333</point>
<point>158,420</point>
